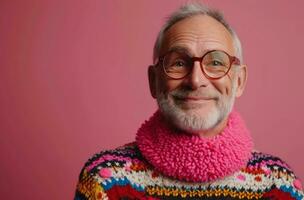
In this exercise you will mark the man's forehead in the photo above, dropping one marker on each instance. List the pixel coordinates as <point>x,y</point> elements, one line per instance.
<point>198,29</point>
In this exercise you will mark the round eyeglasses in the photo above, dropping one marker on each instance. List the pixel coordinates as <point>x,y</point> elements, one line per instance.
<point>215,64</point>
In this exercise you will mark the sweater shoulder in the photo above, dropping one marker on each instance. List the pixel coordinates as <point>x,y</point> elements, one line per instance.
<point>270,165</point>
<point>117,158</point>
<point>108,165</point>
<point>277,172</point>
<point>259,159</point>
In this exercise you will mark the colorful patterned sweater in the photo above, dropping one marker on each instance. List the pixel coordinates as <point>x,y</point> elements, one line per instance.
<point>124,174</point>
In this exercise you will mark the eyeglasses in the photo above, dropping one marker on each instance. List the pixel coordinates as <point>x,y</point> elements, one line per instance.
<point>215,64</point>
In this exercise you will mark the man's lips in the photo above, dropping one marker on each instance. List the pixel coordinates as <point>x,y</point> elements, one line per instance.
<point>193,98</point>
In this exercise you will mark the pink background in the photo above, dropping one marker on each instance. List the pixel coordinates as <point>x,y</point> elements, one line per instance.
<point>73,82</point>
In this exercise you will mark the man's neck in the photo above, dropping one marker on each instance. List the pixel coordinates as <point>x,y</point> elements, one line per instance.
<point>213,131</point>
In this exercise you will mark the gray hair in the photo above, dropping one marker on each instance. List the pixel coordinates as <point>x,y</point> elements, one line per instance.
<point>190,10</point>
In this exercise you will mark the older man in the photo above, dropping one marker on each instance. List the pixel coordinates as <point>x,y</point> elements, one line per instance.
<point>195,146</point>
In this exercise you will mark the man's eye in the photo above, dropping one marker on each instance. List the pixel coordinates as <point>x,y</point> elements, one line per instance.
<point>216,63</point>
<point>179,63</point>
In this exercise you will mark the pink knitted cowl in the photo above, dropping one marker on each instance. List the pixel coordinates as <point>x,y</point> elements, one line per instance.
<point>191,158</point>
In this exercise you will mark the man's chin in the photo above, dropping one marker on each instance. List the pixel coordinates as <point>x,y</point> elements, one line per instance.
<point>197,111</point>
<point>192,120</point>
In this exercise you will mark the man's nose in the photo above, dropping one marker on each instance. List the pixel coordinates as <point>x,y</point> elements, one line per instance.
<point>197,78</point>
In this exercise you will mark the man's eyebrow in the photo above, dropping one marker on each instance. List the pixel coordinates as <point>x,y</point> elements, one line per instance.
<point>180,49</point>
<point>188,52</point>
<point>185,50</point>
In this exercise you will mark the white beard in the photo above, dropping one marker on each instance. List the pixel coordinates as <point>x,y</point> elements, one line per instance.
<point>193,122</point>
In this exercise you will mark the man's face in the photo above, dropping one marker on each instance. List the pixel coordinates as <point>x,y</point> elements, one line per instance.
<point>195,103</point>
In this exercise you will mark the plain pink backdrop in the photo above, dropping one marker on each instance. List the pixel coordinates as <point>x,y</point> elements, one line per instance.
<point>73,82</point>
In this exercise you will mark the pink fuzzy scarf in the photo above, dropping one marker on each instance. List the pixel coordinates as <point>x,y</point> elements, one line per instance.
<point>191,158</point>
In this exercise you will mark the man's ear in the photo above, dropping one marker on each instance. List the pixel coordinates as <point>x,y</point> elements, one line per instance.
<point>241,76</point>
<point>152,80</point>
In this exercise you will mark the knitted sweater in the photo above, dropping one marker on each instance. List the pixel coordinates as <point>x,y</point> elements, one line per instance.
<point>124,173</point>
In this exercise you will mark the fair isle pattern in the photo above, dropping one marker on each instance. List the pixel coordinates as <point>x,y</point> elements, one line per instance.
<point>124,174</point>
